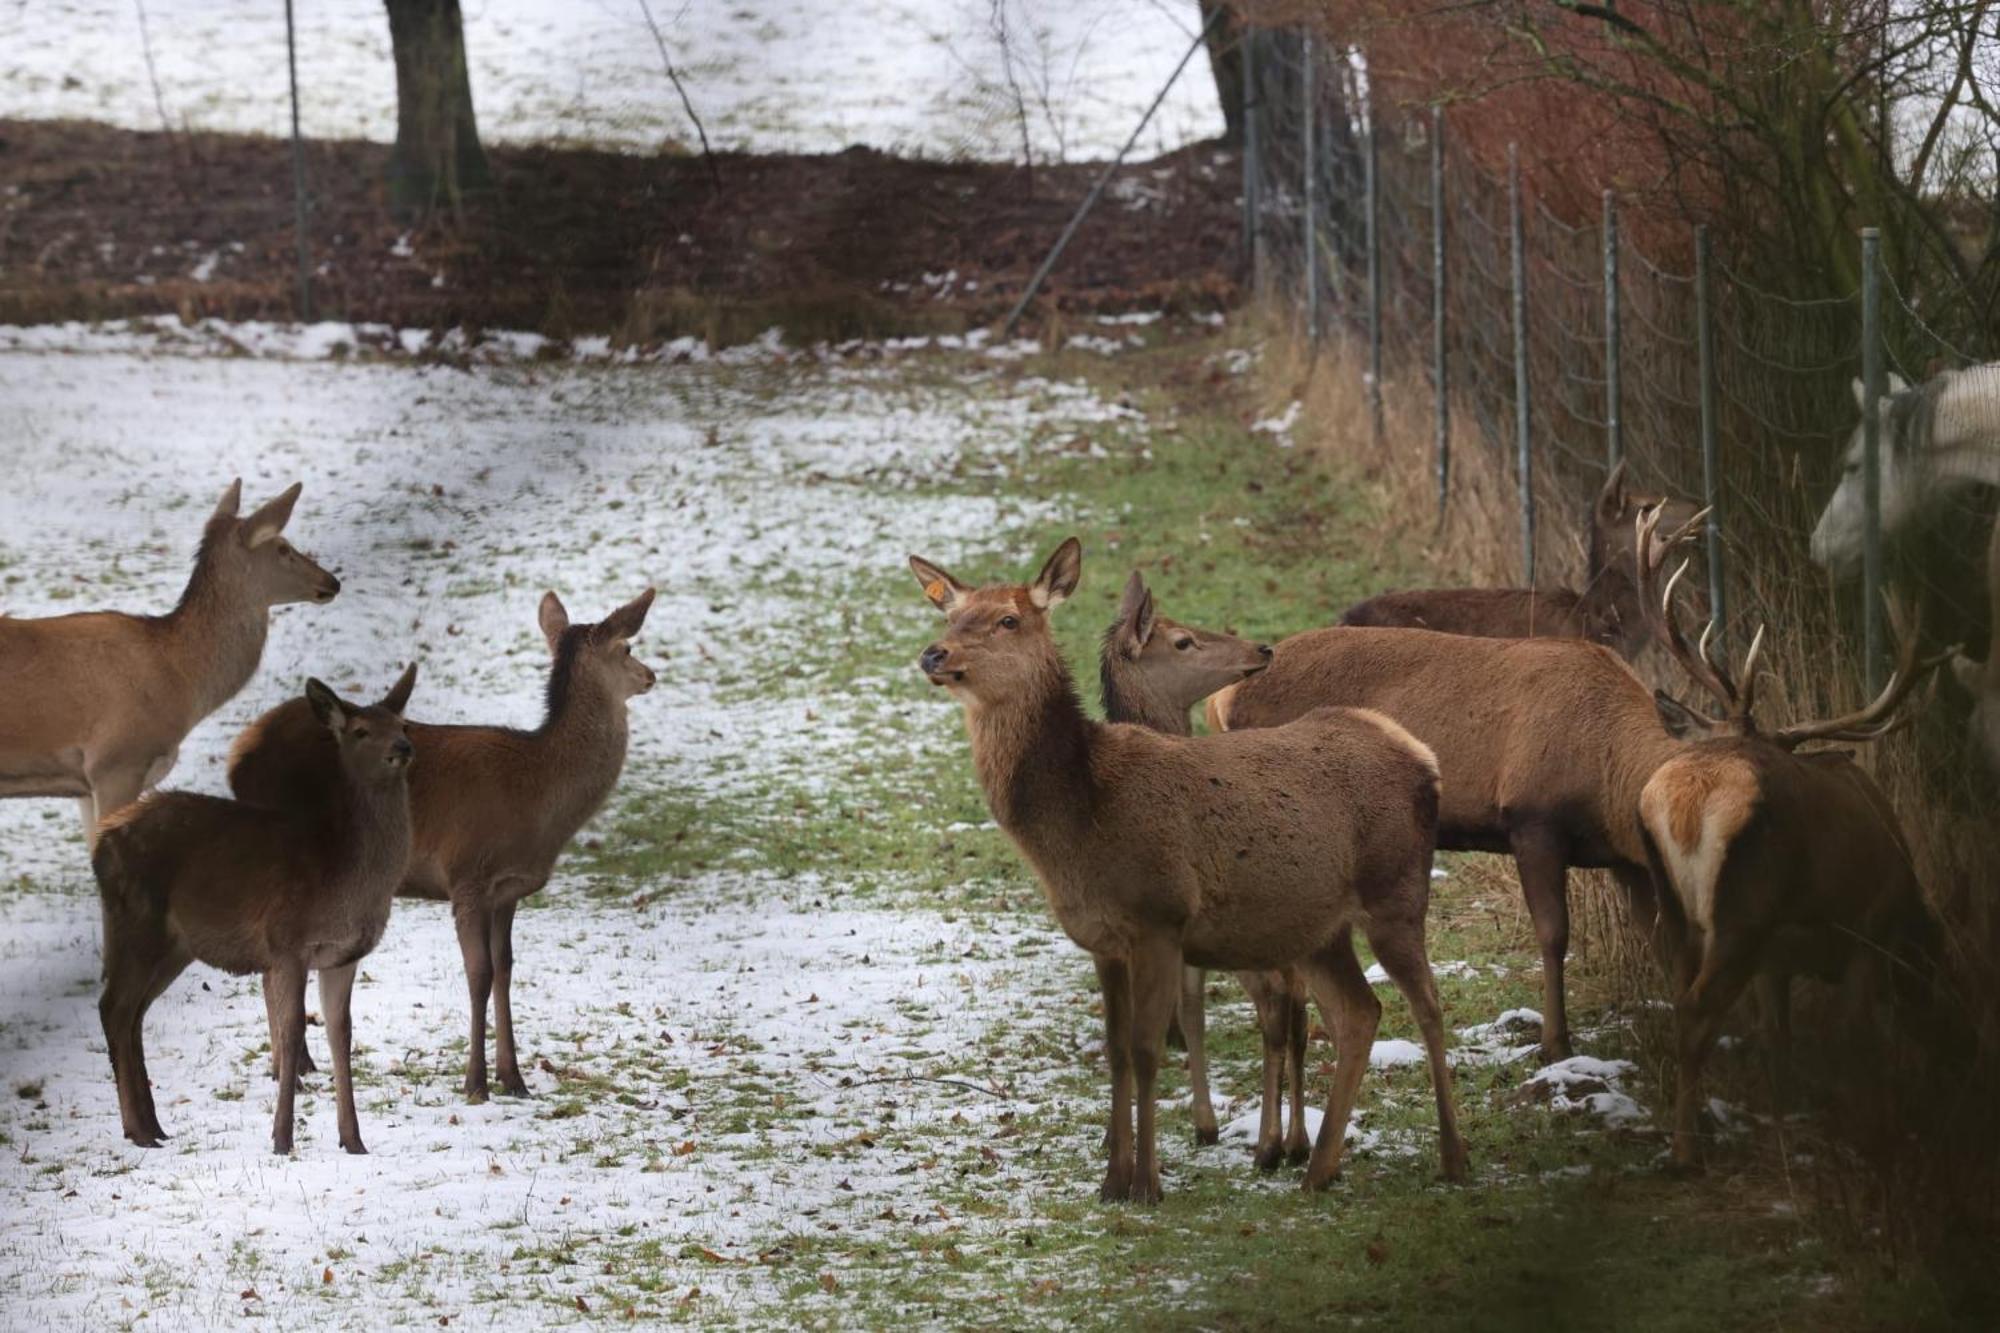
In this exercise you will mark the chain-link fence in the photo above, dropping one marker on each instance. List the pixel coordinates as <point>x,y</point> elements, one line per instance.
<point>1566,347</point>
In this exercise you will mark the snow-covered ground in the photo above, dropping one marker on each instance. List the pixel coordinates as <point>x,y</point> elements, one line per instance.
<point>916,76</point>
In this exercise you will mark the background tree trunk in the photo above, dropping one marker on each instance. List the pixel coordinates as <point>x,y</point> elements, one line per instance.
<point>1225,57</point>
<point>437,159</point>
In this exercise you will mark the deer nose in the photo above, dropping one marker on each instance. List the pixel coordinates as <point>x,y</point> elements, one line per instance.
<point>1264,651</point>
<point>332,589</point>
<point>932,660</point>
<point>402,749</point>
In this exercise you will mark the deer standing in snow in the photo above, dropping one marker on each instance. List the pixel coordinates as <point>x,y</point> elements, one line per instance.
<point>1245,852</point>
<point>95,705</point>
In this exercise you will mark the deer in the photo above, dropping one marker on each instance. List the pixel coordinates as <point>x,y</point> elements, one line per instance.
<point>492,808</point>
<point>1981,680</point>
<point>1152,670</point>
<point>1543,745</point>
<point>1767,861</point>
<point>99,702</point>
<point>1155,852</point>
<point>1607,611</point>
<point>184,877</point>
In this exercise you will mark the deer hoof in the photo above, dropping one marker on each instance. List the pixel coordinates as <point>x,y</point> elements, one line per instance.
<point>476,1093</point>
<point>1320,1181</point>
<point>143,1139</point>
<point>353,1146</point>
<point>1456,1166</point>
<point>515,1086</point>
<point>1299,1153</point>
<point>1269,1156</point>
<point>1207,1136</point>
<point>1117,1186</point>
<point>1146,1188</point>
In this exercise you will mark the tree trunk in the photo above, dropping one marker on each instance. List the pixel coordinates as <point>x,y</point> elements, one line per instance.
<point>437,159</point>
<point>1225,57</point>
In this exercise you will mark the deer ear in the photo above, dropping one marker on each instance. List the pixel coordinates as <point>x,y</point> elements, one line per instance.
<point>231,501</point>
<point>398,697</point>
<point>1135,610</point>
<point>554,620</point>
<point>944,591</point>
<point>1611,497</point>
<point>326,705</point>
<point>1896,384</point>
<point>626,620</point>
<point>1679,720</point>
<point>269,521</point>
<point>1059,576</point>
<point>1971,675</point>
<point>1860,394</point>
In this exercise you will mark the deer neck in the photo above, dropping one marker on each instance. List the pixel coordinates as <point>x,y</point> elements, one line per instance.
<point>1610,598</point>
<point>217,635</point>
<point>1127,699</point>
<point>582,739</point>
<point>374,841</point>
<point>1032,754</point>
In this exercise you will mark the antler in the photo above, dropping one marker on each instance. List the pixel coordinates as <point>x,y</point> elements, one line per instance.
<point>1876,718</point>
<point>1700,666</point>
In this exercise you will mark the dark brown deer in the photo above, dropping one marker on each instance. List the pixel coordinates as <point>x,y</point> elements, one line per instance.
<point>1769,862</point>
<point>279,892</point>
<point>98,703</point>
<point>1243,852</point>
<point>1543,744</point>
<point>1607,611</point>
<point>492,807</point>
<point>1982,679</point>
<point>1152,671</point>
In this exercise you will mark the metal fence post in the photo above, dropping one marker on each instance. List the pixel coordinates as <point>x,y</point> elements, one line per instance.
<point>1439,381</point>
<point>1711,482</point>
<point>1871,455</point>
<point>1252,166</point>
<point>298,173</point>
<point>1372,189</point>
<point>1525,457</point>
<point>1311,160</point>
<point>1614,440</point>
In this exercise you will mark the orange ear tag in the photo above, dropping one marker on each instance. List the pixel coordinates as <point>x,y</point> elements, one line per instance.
<point>935,590</point>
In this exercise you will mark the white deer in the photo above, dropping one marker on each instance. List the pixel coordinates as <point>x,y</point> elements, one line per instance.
<point>1940,435</point>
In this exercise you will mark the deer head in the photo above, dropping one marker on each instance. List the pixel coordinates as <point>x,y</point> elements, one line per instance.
<point>1615,513</point>
<point>599,654</point>
<point>996,642</point>
<point>1736,690</point>
<point>1173,664</point>
<point>374,747</point>
<point>250,555</point>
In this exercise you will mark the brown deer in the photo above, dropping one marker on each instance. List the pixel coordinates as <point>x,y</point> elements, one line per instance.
<point>492,808</point>
<point>1769,862</point>
<point>1982,679</point>
<point>185,877</point>
<point>1152,671</point>
<point>1543,744</point>
<point>1607,611</point>
<point>1243,852</point>
<point>98,703</point>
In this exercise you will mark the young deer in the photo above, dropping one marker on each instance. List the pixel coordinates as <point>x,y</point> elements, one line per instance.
<point>1243,852</point>
<point>1607,611</point>
<point>282,892</point>
<point>492,808</point>
<point>1153,670</point>
<point>1768,862</point>
<point>99,702</point>
<point>1543,744</point>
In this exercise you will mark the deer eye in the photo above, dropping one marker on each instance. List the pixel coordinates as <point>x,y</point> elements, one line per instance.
<point>1010,622</point>
<point>361,733</point>
<point>1183,644</point>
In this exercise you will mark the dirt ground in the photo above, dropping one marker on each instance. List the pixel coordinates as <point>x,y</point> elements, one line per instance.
<point>98,223</point>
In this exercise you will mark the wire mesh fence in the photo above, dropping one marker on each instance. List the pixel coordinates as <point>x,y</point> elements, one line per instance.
<point>1566,347</point>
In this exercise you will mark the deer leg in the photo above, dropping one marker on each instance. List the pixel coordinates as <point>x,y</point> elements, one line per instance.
<point>111,790</point>
<point>305,1063</point>
<point>288,981</point>
<point>1115,983</point>
<point>475,942</point>
<point>171,964</point>
<point>502,949</point>
<point>1193,1014</point>
<point>1176,1026</point>
<point>1350,1008</point>
<point>1271,1024</point>
<point>1298,1026</point>
<point>1727,967</point>
<point>136,953</point>
<point>1398,942</point>
<point>1543,862</point>
<point>336,993</point>
<point>1774,1012</point>
<point>1156,990</point>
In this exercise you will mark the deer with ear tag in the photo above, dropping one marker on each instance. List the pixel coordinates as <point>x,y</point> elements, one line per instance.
<point>1246,852</point>
<point>492,808</point>
<point>95,705</point>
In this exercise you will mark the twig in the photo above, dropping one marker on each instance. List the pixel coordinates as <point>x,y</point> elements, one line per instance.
<point>929,1078</point>
<point>152,73</point>
<point>708,156</point>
